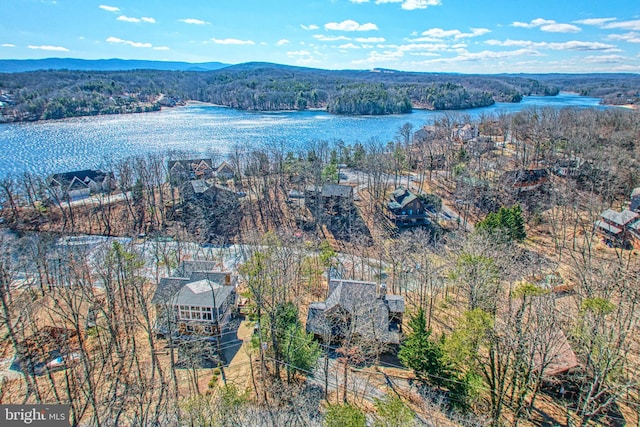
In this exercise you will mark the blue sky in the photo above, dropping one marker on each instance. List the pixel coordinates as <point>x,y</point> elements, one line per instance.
<point>468,36</point>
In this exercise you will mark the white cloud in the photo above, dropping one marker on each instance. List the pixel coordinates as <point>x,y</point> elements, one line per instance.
<point>594,21</point>
<point>283,42</point>
<point>604,59</point>
<point>309,27</point>
<point>109,8</point>
<point>349,46</point>
<point>534,23</point>
<point>624,25</point>
<point>7,45</point>
<point>570,45</point>
<point>631,37</point>
<point>193,21</point>
<point>437,34</point>
<point>323,38</point>
<point>547,25</point>
<point>161,48</point>
<point>377,57</point>
<point>419,4</point>
<point>50,48</point>
<point>412,4</point>
<point>370,39</point>
<point>299,53</point>
<point>359,1</point>
<point>232,41</point>
<point>127,19</point>
<point>116,40</point>
<point>350,25</point>
<point>560,28</point>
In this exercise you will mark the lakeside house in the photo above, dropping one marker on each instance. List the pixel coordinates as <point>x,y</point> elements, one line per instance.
<point>197,300</point>
<point>80,184</point>
<point>190,169</point>
<point>357,308</point>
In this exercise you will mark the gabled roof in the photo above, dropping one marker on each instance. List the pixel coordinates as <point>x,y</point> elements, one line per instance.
<point>401,197</point>
<point>190,164</point>
<point>620,218</point>
<point>188,268</point>
<point>336,190</point>
<point>608,227</point>
<point>224,167</point>
<point>77,184</point>
<point>203,293</point>
<point>66,178</point>
<point>349,294</point>
<point>368,311</point>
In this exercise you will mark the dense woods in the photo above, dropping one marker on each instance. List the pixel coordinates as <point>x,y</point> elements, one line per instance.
<point>504,288</point>
<point>57,94</point>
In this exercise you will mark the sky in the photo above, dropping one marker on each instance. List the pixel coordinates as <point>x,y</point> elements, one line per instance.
<point>464,36</point>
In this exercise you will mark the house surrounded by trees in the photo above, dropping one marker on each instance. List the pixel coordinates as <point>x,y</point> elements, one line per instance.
<point>198,299</point>
<point>405,209</point>
<point>357,308</point>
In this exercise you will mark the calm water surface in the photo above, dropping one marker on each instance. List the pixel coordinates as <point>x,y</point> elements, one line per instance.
<point>95,142</point>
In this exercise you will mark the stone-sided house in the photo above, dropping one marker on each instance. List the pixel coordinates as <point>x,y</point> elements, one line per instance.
<point>355,308</point>
<point>79,184</point>
<point>188,170</point>
<point>405,209</point>
<point>197,300</point>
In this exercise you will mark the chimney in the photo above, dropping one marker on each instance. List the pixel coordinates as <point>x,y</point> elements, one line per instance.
<point>382,291</point>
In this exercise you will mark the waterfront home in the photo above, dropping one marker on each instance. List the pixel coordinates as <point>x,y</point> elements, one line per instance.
<point>80,184</point>
<point>191,169</point>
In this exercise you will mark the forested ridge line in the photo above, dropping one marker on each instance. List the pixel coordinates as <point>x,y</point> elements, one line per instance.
<point>56,94</point>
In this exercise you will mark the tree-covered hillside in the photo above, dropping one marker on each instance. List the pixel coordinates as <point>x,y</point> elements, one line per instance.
<point>55,94</point>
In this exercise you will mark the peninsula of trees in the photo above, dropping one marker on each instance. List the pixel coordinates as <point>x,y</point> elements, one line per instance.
<point>56,94</point>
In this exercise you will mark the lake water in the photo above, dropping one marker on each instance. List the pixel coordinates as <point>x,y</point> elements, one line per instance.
<point>95,142</point>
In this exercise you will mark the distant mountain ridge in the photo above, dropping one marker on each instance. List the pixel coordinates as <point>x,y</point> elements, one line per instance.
<point>22,65</point>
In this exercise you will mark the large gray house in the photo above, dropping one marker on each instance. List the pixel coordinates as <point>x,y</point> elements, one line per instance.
<point>357,308</point>
<point>197,299</point>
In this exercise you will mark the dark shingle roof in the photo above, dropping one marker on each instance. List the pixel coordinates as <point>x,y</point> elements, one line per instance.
<point>66,178</point>
<point>336,190</point>
<point>361,302</point>
<point>401,197</point>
